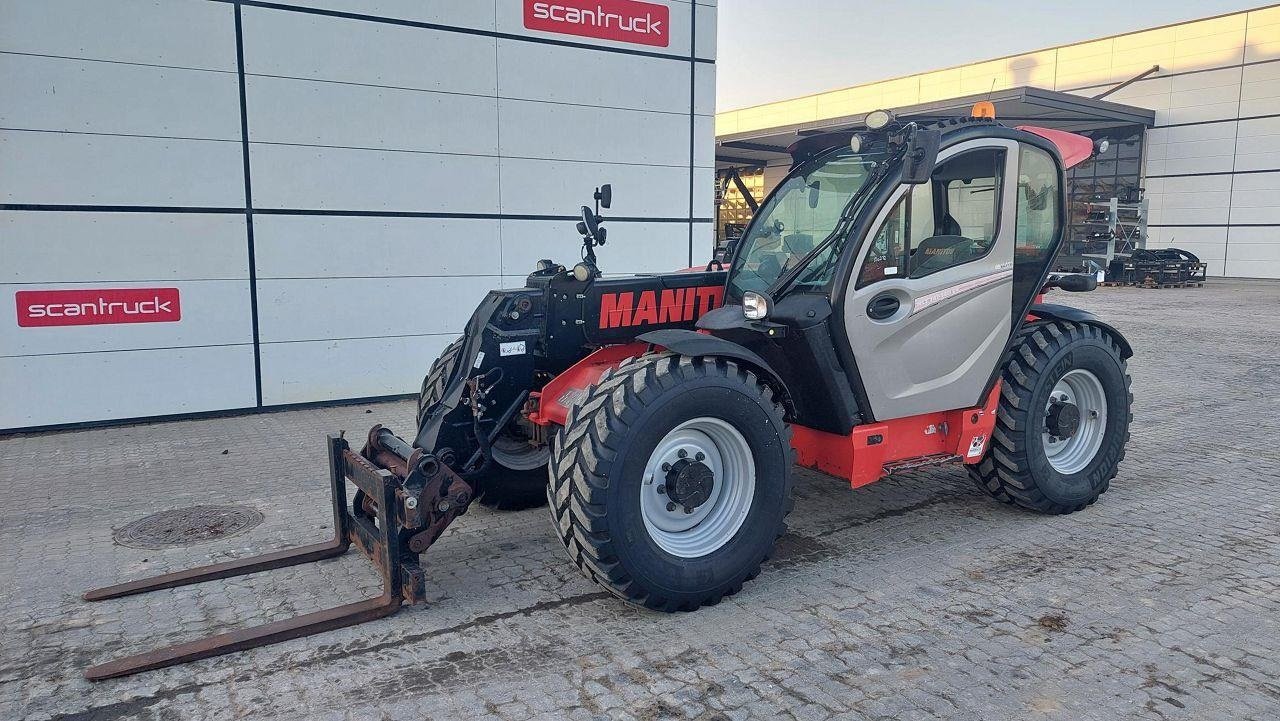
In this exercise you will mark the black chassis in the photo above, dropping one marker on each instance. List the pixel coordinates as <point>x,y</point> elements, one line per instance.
<point>518,339</point>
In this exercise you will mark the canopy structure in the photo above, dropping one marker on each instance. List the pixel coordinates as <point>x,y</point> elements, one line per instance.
<point>1023,105</point>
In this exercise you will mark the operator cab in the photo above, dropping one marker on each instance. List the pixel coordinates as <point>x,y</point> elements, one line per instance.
<point>919,247</point>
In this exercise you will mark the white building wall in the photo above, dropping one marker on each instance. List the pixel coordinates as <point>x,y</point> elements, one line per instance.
<point>1212,163</point>
<point>402,157</point>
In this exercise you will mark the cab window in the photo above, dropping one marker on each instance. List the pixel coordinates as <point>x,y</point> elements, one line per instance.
<point>1038,198</point>
<point>799,216</point>
<point>889,245</point>
<point>951,220</point>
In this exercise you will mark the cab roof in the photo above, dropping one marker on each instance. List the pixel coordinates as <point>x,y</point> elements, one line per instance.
<point>1072,147</point>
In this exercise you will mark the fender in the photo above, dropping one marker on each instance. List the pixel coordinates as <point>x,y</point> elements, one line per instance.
<point>1066,312</point>
<point>693,343</point>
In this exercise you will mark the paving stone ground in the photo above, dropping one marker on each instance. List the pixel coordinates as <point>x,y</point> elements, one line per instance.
<point>913,598</point>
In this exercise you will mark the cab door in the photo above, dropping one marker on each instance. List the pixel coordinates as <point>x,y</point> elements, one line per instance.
<point>928,311</point>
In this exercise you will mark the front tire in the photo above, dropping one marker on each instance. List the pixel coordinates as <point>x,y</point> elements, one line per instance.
<point>1062,422</point>
<point>692,545</point>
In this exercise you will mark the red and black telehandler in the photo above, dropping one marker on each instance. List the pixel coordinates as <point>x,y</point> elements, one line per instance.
<point>883,311</point>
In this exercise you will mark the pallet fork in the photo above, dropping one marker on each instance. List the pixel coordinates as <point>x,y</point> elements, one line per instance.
<point>404,500</point>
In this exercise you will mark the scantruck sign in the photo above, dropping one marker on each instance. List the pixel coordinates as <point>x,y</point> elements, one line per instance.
<point>625,21</point>
<point>99,306</point>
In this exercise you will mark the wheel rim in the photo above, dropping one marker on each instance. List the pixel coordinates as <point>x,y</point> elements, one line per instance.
<point>714,521</point>
<point>517,454</point>
<point>1082,389</point>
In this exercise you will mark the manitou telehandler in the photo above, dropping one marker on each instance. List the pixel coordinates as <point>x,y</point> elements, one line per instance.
<point>883,311</point>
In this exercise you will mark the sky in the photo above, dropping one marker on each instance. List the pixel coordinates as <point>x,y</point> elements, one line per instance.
<point>771,50</point>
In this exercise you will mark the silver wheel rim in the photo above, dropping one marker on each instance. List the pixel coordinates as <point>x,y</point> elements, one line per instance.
<point>712,524</point>
<point>519,455</point>
<point>1082,388</point>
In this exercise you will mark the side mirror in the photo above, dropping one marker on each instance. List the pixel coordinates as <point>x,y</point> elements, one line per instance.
<point>921,157</point>
<point>604,194</point>
<point>590,225</point>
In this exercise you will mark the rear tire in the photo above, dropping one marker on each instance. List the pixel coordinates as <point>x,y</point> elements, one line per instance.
<point>1025,464</point>
<point>605,465</point>
<point>499,487</point>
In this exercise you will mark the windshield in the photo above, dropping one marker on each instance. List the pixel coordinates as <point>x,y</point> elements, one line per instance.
<point>799,215</point>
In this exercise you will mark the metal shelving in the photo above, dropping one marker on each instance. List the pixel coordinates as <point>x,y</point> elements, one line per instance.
<point>1121,228</point>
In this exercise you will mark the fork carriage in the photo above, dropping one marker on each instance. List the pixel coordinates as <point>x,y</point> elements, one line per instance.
<point>404,501</point>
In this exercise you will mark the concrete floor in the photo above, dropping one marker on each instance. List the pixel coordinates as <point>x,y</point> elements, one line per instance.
<point>916,597</point>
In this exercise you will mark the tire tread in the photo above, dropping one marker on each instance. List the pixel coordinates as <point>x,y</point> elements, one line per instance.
<point>583,452</point>
<point>1004,473</point>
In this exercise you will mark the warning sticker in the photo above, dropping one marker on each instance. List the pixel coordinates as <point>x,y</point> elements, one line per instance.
<point>479,360</point>
<point>512,348</point>
<point>976,446</point>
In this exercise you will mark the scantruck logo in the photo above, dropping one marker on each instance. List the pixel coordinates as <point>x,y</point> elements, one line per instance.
<point>100,306</point>
<point>627,21</point>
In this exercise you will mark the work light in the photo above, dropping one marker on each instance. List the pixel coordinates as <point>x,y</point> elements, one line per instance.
<point>878,119</point>
<point>755,306</point>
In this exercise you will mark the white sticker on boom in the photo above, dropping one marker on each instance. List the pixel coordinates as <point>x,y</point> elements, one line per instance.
<point>512,348</point>
<point>479,359</point>
<point>976,445</point>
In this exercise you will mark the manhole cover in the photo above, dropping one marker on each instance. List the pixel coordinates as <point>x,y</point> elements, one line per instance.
<point>187,526</point>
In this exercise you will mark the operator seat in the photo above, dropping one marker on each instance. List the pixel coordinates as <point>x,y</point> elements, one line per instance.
<point>798,244</point>
<point>950,226</point>
<point>941,251</point>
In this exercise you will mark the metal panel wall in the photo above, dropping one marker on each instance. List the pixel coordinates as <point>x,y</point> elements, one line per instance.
<point>1212,163</point>
<point>331,185</point>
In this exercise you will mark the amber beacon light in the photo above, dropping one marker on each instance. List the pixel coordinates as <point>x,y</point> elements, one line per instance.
<point>983,109</point>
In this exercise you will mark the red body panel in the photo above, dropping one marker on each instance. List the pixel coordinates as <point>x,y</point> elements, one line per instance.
<point>1032,317</point>
<point>1074,149</point>
<point>565,389</point>
<point>861,456</point>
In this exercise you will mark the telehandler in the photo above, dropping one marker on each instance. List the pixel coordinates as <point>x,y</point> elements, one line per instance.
<point>884,311</point>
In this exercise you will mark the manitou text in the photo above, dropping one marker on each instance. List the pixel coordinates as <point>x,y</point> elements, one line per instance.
<point>652,307</point>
